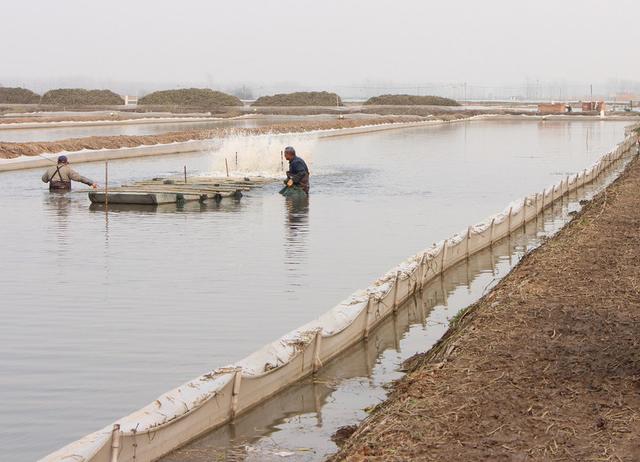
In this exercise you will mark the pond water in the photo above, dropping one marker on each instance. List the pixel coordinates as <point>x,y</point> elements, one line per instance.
<point>23,135</point>
<point>104,312</point>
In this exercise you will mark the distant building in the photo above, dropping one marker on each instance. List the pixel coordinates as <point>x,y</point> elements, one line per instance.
<point>594,106</point>
<point>552,108</point>
<point>130,100</point>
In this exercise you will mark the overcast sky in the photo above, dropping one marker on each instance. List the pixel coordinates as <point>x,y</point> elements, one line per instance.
<point>318,43</point>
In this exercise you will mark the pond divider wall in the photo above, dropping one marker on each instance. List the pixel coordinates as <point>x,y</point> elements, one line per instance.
<point>182,147</point>
<point>216,398</point>
<point>98,123</point>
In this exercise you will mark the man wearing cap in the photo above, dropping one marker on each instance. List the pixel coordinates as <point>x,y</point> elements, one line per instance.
<point>60,176</point>
<point>298,174</point>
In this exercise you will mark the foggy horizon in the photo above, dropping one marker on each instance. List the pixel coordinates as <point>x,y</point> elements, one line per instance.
<point>356,48</point>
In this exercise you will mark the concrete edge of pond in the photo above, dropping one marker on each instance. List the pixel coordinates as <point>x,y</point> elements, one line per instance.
<point>219,396</point>
<point>97,155</point>
<point>97,123</point>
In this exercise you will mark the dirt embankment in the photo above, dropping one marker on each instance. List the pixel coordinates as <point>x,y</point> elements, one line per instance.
<point>17,95</point>
<point>411,100</point>
<point>12,150</point>
<point>301,98</point>
<point>80,96</point>
<point>190,97</point>
<point>546,367</point>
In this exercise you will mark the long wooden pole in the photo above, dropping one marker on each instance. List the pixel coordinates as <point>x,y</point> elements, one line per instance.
<point>106,184</point>
<point>185,174</point>
<point>226,163</point>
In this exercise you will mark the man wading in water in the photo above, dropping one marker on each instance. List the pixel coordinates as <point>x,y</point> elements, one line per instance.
<point>60,176</point>
<point>298,174</point>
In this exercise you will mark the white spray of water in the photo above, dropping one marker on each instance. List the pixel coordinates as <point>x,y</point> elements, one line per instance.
<point>258,155</point>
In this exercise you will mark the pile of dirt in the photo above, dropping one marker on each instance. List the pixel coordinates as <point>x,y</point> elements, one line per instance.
<point>190,97</point>
<point>410,100</point>
<point>80,96</point>
<point>18,96</point>
<point>300,98</point>
<point>545,367</point>
<point>13,150</point>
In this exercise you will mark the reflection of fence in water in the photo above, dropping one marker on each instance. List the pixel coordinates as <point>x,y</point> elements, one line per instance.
<point>211,400</point>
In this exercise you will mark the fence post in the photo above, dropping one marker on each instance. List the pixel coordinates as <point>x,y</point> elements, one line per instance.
<point>115,443</point>
<point>235,391</point>
<point>395,292</point>
<point>420,281</point>
<point>493,222</point>
<point>317,363</point>
<point>468,236</point>
<point>444,252</point>
<point>365,335</point>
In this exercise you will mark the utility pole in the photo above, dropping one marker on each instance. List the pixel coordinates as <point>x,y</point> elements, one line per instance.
<point>591,92</point>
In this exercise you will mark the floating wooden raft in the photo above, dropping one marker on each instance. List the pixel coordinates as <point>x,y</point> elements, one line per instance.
<point>174,190</point>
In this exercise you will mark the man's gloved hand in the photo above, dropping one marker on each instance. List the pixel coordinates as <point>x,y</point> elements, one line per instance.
<point>289,183</point>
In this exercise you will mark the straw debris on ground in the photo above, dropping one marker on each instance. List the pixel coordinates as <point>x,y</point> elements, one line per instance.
<point>13,150</point>
<point>545,367</point>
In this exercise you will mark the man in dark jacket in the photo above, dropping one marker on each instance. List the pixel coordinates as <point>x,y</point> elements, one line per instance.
<point>298,174</point>
<point>60,176</point>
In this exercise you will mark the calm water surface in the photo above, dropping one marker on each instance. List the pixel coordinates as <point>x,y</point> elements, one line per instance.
<point>23,135</point>
<point>102,313</point>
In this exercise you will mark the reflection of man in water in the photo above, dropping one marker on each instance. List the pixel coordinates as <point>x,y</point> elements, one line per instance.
<point>295,243</point>
<point>298,174</point>
<point>60,176</point>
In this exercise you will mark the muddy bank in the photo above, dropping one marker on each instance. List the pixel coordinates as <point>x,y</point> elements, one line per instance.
<point>545,367</point>
<point>13,150</point>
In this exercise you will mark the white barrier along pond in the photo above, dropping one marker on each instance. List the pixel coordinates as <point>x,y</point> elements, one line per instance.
<point>216,398</point>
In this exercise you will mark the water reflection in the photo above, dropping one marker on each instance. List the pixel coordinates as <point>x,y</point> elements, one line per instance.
<point>296,234</point>
<point>226,206</point>
<point>58,206</point>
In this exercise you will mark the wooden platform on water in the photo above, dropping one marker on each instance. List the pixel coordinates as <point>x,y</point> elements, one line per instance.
<point>174,190</point>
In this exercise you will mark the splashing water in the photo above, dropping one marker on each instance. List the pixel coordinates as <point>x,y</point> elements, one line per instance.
<point>258,155</point>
